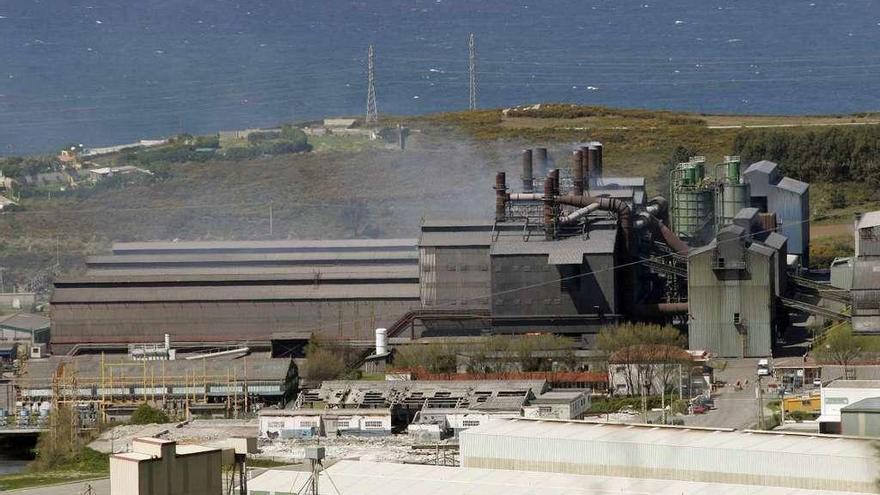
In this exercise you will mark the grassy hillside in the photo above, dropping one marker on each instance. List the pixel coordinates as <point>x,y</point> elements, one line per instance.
<point>349,187</point>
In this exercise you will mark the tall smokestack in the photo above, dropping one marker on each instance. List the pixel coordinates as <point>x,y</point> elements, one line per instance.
<point>543,161</point>
<point>577,172</point>
<point>528,172</point>
<point>585,165</point>
<point>548,207</point>
<point>500,195</point>
<point>554,174</point>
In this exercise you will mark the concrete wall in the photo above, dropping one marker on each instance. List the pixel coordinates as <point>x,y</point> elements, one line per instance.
<point>18,300</point>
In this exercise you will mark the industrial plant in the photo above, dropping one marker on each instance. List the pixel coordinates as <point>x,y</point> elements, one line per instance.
<point>568,251</point>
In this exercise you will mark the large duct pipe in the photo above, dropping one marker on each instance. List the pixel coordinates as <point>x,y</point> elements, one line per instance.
<point>620,207</point>
<point>528,171</point>
<point>543,160</point>
<point>500,196</point>
<point>578,214</point>
<point>577,173</point>
<point>660,310</point>
<point>548,208</point>
<point>660,230</point>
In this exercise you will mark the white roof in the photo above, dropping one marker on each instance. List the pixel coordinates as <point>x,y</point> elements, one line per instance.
<point>870,219</point>
<point>374,478</point>
<point>679,436</point>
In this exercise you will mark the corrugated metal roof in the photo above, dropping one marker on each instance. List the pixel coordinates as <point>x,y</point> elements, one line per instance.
<point>259,367</point>
<point>25,321</point>
<point>870,219</point>
<point>793,185</point>
<point>746,214</point>
<point>870,405</point>
<point>841,383</point>
<point>250,246</point>
<point>236,293</point>
<point>252,258</point>
<point>374,478</point>
<point>757,247</point>
<point>401,274</point>
<point>560,252</point>
<point>715,439</point>
<point>764,166</point>
<point>776,240</point>
<point>230,272</point>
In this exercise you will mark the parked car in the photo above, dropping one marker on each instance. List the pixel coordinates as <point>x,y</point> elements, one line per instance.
<point>817,382</point>
<point>699,409</point>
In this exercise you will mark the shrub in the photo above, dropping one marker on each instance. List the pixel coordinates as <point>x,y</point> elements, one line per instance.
<point>145,415</point>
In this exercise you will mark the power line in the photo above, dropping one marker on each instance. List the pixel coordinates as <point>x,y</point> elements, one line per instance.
<point>372,109</point>
<point>472,72</point>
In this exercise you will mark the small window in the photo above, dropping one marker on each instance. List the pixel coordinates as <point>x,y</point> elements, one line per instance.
<point>372,424</point>
<point>736,319</point>
<point>721,262</point>
<point>470,422</point>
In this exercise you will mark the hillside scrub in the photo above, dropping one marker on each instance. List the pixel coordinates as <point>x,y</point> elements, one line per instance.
<point>834,154</point>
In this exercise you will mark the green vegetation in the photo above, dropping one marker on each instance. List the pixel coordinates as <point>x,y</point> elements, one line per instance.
<point>824,250</point>
<point>834,154</point>
<point>327,361</point>
<point>614,339</point>
<point>839,345</point>
<point>145,415</point>
<point>499,353</point>
<point>607,405</point>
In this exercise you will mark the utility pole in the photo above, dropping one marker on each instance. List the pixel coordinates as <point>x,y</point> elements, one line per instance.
<point>270,220</point>
<point>472,72</point>
<point>372,109</point>
<point>759,394</point>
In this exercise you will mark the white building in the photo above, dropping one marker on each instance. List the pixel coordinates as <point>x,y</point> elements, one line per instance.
<point>378,478</point>
<point>839,394</point>
<point>560,404</point>
<point>795,461</point>
<point>308,423</point>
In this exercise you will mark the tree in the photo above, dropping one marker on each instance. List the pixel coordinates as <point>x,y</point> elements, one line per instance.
<point>648,352</point>
<point>322,362</point>
<point>146,415</point>
<point>840,346</point>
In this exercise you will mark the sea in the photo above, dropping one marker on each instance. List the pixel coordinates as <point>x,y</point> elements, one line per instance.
<point>104,72</point>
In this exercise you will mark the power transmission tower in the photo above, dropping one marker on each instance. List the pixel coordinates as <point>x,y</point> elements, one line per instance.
<point>472,72</point>
<point>372,110</point>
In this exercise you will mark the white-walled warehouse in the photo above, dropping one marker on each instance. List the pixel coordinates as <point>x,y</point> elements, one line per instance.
<point>675,453</point>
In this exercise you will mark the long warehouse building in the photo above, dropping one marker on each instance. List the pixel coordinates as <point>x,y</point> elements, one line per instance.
<point>217,292</point>
<point>792,460</point>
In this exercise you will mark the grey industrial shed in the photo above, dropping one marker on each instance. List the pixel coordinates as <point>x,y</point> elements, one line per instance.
<point>861,418</point>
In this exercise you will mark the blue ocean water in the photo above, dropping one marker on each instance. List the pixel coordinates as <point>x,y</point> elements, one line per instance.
<point>107,71</point>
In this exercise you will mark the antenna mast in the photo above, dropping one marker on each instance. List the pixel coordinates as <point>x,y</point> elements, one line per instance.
<point>472,72</point>
<point>372,110</point>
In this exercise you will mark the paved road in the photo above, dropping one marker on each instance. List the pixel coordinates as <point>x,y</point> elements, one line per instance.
<point>99,487</point>
<point>733,408</point>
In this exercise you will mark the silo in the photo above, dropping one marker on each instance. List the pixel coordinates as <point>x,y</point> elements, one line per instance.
<point>692,199</point>
<point>732,193</point>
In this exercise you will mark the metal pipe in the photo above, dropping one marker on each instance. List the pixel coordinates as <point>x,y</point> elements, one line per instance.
<point>661,309</point>
<point>500,196</point>
<point>620,207</point>
<point>528,172</point>
<point>548,208</point>
<point>577,173</point>
<point>554,174</point>
<point>578,214</point>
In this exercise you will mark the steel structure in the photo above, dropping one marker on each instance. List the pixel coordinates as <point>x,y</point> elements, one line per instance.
<point>372,108</point>
<point>472,72</point>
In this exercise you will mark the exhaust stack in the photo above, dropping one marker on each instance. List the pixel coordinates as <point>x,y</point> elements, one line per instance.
<point>528,172</point>
<point>500,196</point>
<point>577,173</point>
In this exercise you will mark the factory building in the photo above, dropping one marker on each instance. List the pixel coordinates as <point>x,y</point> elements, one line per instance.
<point>861,419</point>
<point>788,198</point>
<point>732,295</point>
<point>212,293</point>
<point>454,263</point>
<point>865,274</point>
<point>839,394</point>
<point>797,462</point>
<point>383,478</point>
